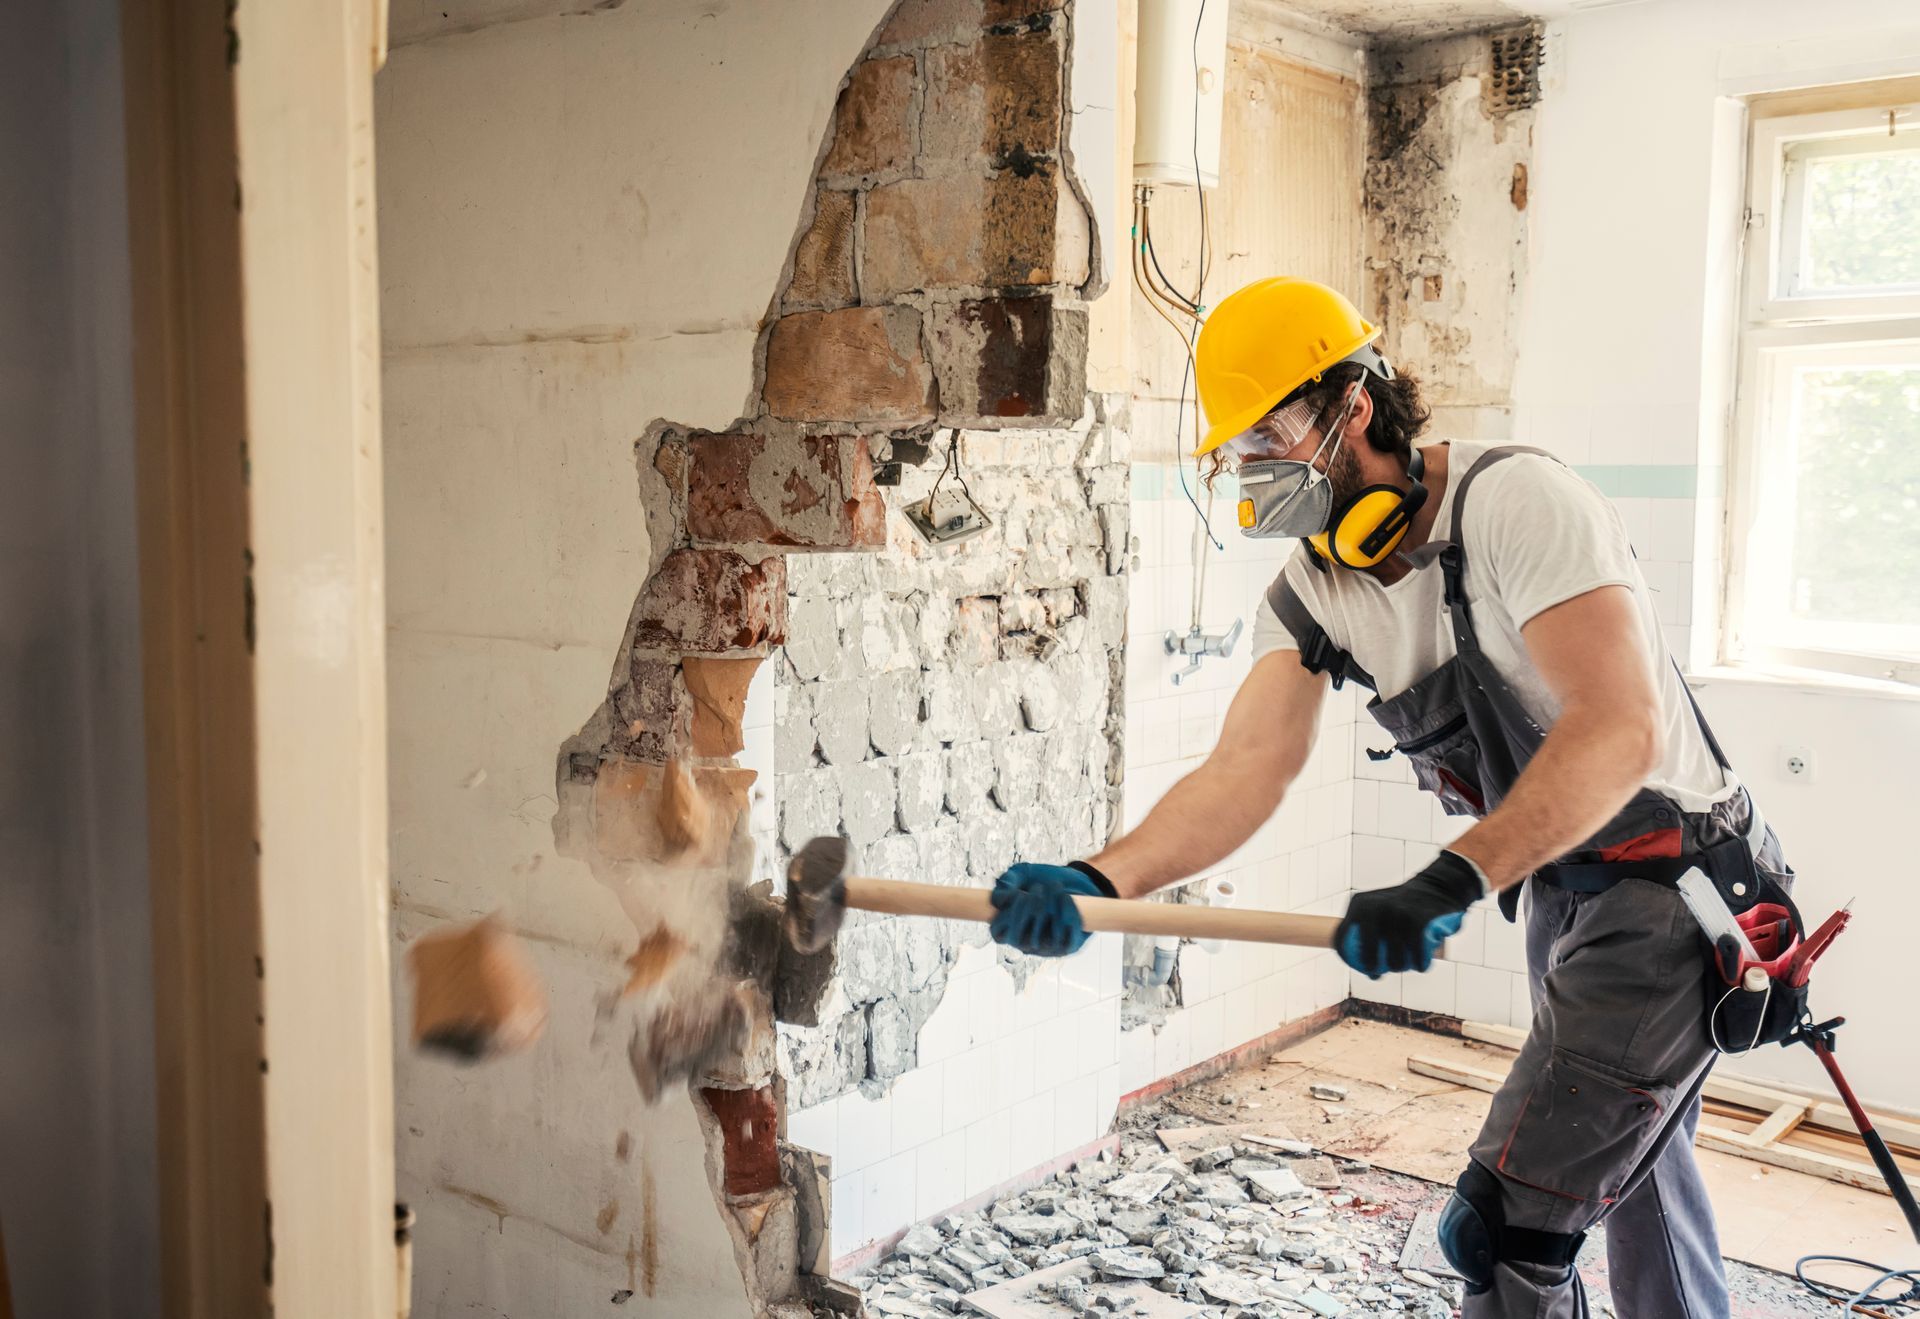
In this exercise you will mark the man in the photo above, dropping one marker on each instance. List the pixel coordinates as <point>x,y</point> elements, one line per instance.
<point>1490,597</point>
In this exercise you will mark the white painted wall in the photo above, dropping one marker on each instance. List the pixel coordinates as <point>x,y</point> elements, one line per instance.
<point>1613,348</point>
<point>583,218</point>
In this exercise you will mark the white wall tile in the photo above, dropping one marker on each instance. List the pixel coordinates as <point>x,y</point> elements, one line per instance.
<point>1405,812</point>
<point>971,1081</point>
<point>1386,989</point>
<point>1013,1068</point>
<point>864,1132</point>
<point>1030,1132</point>
<point>1482,995</point>
<point>1076,1114</point>
<point>948,1031</point>
<point>1431,990</point>
<point>1671,534</point>
<point>917,1100</point>
<point>889,1195</point>
<point>1106,1096</point>
<point>1506,946</point>
<point>1366,807</point>
<point>847,1221</point>
<point>815,1128</point>
<point>1136,1058</point>
<point>940,1175</point>
<point>1378,862</point>
<point>1469,947</point>
<point>1208,1029</point>
<point>989,1153</point>
<point>1055,1054</point>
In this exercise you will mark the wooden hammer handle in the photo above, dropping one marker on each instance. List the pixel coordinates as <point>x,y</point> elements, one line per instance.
<point>899,898</point>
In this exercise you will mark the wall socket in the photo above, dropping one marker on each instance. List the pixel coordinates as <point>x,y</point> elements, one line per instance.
<point>1798,763</point>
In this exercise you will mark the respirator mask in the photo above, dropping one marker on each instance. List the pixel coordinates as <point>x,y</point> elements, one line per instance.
<point>1288,498</point>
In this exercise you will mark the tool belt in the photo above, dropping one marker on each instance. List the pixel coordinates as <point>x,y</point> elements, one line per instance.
<point>1748,1009</point>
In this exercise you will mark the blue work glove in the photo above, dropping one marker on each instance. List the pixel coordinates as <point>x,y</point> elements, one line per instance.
<point>1401,928</point>
<point>1034,906</point>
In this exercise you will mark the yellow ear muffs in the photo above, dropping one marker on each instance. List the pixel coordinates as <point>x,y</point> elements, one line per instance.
<point>1368,527</point>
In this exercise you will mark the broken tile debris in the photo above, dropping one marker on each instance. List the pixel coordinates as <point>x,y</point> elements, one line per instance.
<point>1224,1228</point>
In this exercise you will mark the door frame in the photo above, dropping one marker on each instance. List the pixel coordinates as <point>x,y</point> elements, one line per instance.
<point>257,377</point>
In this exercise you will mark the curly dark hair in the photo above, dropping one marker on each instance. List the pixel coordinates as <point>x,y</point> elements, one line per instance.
<point>1399,413</point>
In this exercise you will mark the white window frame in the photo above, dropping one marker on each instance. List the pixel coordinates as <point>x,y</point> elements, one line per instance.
<point>1779,331</point>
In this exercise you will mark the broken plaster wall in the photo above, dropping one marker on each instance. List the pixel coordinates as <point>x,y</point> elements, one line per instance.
<point>584,218</point>
<point>931,281</point>
<point>1450,126</point>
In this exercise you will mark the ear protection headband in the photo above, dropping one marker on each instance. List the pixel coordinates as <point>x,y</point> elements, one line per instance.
<point>1366,528</point>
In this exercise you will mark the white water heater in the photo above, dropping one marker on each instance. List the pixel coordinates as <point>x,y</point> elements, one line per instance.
<point>1179,92</point>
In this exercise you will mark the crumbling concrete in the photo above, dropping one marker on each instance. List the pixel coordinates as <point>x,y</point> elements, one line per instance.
<point>1449,152</point>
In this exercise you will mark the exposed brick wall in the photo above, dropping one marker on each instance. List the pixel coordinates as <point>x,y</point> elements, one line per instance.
<point>934,283</point>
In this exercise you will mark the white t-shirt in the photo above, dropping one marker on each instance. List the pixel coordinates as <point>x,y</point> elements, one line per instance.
<point>1537,534</point>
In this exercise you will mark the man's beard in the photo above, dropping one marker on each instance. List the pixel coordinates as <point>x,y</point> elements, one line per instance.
<point>1346,476</point>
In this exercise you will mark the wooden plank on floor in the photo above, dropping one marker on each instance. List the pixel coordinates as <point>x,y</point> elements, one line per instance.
<point>1845,1171</point>
<point>1779,1122</point>
<point>1475,1078</point>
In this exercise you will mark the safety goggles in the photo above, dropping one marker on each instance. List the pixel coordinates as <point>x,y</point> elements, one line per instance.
<point>1277,434</point>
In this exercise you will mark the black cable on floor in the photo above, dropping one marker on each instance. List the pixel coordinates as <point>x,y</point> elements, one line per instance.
<point>1858,1300</point>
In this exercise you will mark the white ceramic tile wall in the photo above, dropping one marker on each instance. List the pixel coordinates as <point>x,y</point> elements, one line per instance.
<point>1008,1078</point>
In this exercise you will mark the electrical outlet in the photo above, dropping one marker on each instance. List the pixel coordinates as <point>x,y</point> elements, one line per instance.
<point>1798,763</point>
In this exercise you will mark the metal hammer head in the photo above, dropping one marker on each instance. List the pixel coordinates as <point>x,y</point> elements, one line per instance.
<point>816,893</point>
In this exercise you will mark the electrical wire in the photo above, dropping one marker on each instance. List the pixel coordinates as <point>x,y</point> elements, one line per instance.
<point>1886,1307</point>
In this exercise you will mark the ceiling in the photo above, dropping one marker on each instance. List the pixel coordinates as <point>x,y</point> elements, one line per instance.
<point>1409,20</point>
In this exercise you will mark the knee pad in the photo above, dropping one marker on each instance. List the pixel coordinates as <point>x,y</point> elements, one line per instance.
<point>1468,1240</point>
<point>1474,1235</point>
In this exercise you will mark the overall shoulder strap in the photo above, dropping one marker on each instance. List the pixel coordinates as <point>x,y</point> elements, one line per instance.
<point>1318,654</point>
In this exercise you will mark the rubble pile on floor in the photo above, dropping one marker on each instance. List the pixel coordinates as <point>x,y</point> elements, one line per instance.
<point>1248,1228</point>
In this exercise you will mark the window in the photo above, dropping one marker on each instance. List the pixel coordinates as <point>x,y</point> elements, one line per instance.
<point>1824,493</point>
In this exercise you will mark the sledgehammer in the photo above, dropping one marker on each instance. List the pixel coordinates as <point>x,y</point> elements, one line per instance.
<point>819,892</point>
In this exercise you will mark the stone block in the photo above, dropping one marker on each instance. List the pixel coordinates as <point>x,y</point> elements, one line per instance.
<point>823,261</point>
<point>992,846</point>
<point>749,1138</point>
<point>949,708</point>
<point>814,646</point>
<point>972,774</point>
<point>812,492</point>
<point>713,600</point>
<point>1010,229</point>
<point>996,700</point>
<point>793,734</point>
<point>893,721</point>
<point>809,806</point>
<point>868,801</point>
<point>840,712</point>
<point>873,131</point>
<point>652,712</point>
<point>996,100</point>
<point>898,857</point>
<point>918,22</point>
<point>943,853</point>
<point>719,691</point>
<point>863,365</point>
<point>923,790</point>
<point>1000,359</point>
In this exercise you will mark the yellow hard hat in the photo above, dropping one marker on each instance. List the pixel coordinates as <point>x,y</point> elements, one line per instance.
<point>1266,340</point>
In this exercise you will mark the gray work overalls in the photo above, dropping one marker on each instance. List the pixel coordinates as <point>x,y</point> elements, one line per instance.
<point>1596,1119</point>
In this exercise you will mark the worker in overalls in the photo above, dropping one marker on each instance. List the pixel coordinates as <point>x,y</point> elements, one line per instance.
<point>1489,597</point>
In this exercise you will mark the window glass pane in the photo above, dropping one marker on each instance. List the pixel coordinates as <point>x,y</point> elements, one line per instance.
<point>1859,219</point>
<point>1854,567</point>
